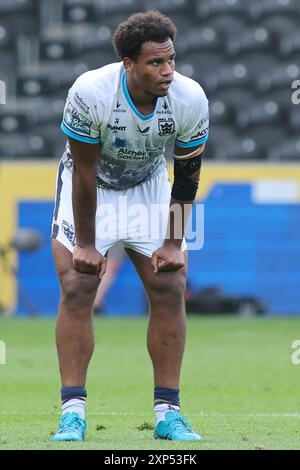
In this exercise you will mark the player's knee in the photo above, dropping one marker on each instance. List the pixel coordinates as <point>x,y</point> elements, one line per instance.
<point>169,291</point>
<point>79,289</point>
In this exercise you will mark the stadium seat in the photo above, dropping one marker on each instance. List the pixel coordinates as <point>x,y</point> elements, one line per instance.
<point>78,13</point>
<point>96,38</point>
<point>96,59</point>
<point>6,36</point>
<point>236,148</point>
<point>198,39</point>
<point>258,9</point>
<point>252,39</point>
<point>13,7</point>
<point>33,86</point>
<point>293,118</point>
<point>289,43</point>
<point>55,50</point>
<point>220,112</point>
<point>279,76</point>
<point>169,7</point>
<point>228,76</point>
<point>244,54</point>
<point>12,121</point>
<point>124,7</point>
<point>25,146</point>
<point>225,144</point>
<point>209,8</point>
<point>44,111</point>
<point>266,137</point>
<point>287,150</point>
<point>259,112</point>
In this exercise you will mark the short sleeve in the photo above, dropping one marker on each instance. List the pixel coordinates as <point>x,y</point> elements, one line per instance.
<point>79,119</point>
<point>194,131</point>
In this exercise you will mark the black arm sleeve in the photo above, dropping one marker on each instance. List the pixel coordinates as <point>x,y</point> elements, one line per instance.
<point>186,179</point>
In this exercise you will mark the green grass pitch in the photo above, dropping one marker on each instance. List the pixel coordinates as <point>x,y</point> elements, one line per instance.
<point>239,387</point>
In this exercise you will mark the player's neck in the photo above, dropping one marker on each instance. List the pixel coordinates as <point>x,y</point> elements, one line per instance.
<point>143,102</point>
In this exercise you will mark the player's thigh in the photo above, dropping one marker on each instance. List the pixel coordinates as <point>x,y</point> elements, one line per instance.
<point>161,284</point>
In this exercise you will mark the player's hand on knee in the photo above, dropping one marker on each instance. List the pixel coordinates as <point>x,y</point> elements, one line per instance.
<point>87,260</point>
<point>167,258</point>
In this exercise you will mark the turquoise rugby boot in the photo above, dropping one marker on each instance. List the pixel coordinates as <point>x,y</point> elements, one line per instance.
<point>71,428</point>
<point>175,428</point>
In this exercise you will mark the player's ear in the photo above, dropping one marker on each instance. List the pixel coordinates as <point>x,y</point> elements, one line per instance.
<point>128,64</point>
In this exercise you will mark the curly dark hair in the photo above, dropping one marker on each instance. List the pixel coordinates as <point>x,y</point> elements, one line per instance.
<point>139,28</point>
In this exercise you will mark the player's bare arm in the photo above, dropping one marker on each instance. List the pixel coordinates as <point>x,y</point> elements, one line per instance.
<point>86,258</point>
<point>187,166</point>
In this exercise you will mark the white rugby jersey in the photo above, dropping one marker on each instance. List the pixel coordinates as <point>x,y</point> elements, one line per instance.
<point>100,111</point>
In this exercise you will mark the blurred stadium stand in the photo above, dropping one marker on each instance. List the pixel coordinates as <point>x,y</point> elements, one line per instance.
<point>245,54</point>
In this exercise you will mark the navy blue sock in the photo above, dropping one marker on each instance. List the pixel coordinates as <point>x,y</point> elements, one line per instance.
<point>68,393</point>
<point>166,395</point>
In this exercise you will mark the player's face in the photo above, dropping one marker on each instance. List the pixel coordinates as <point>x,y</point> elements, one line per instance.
<point>154,68</point>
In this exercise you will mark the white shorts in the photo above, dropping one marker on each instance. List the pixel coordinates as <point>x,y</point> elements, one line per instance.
<point>138,216</point>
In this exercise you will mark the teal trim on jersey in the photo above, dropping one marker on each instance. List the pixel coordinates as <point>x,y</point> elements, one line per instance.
<point>87,140</point>
<point>130,102</point>
<point>193,143</point>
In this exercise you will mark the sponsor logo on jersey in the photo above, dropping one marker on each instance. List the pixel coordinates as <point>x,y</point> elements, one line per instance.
<point>200,124</point>
<point>118,108</point>
<point>77,121</point>
<point>115,127</point>
<point>143,131</point>
<point>126,154</point>
<point>200,134</point>
<point>79,101</point>
<point>165,109</point>
<point>166,126</point>
<point>69,232</point>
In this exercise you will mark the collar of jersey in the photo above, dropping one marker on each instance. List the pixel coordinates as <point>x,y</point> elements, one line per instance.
<point>130,102</point>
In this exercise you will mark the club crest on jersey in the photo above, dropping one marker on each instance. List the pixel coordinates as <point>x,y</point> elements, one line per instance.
<point>166,126</point>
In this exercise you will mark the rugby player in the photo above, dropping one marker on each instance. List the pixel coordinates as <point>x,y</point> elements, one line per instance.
<point>118,120</point>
